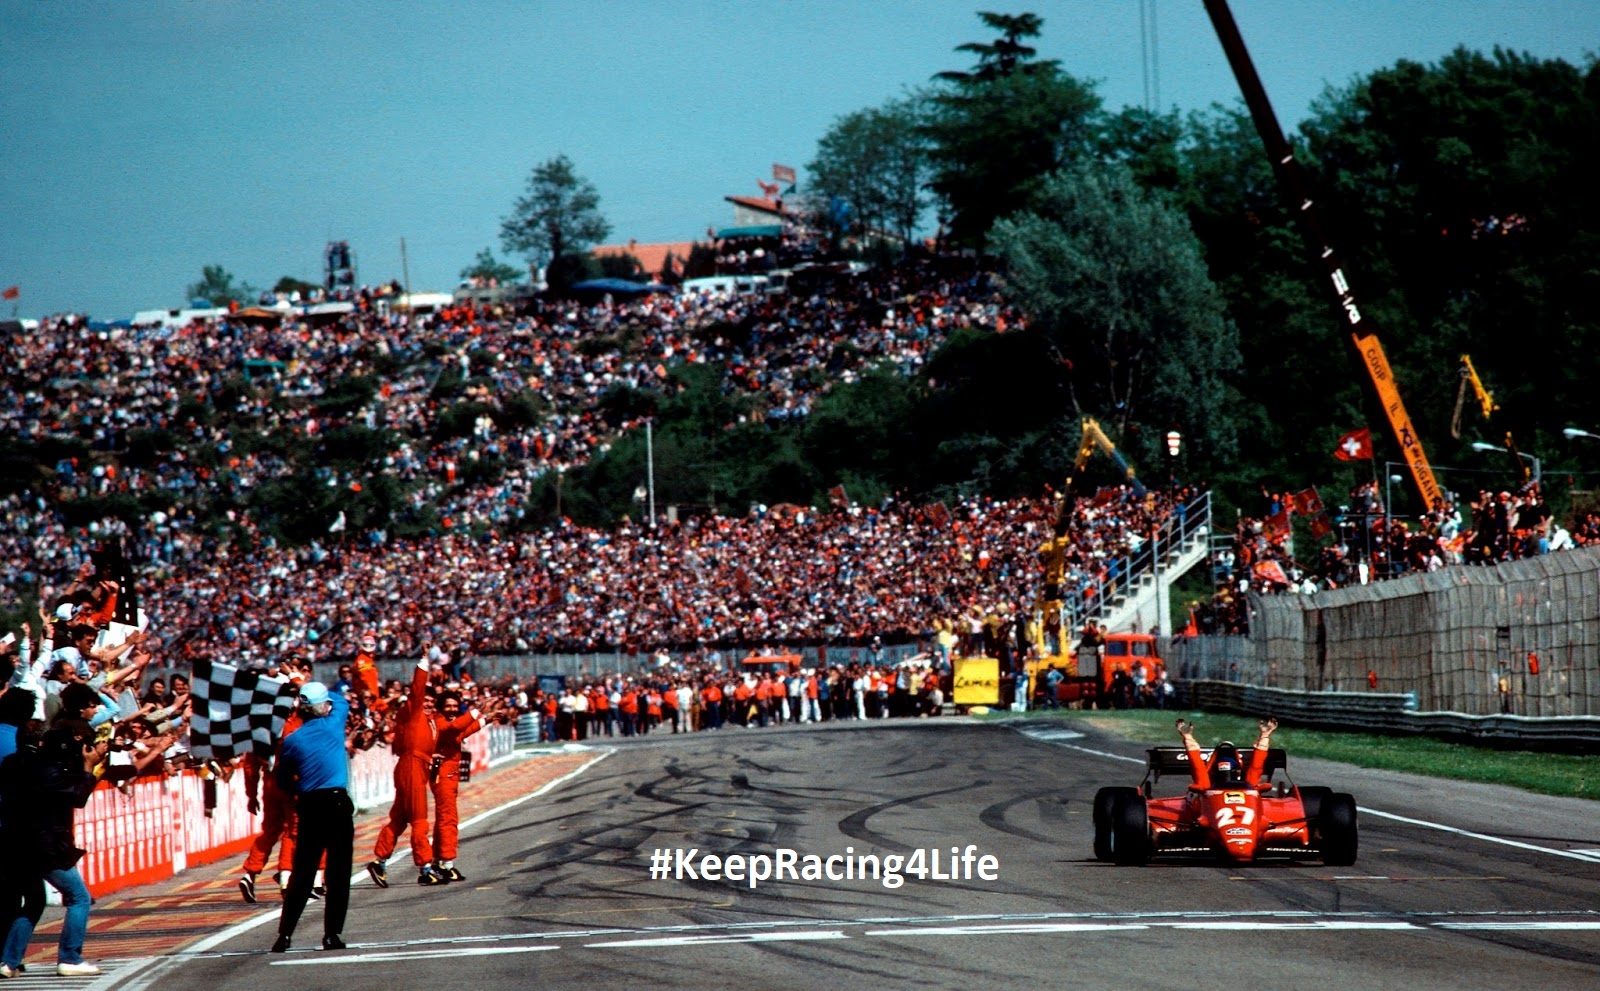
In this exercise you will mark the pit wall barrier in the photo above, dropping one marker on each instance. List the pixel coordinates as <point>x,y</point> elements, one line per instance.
<point>157,827</point>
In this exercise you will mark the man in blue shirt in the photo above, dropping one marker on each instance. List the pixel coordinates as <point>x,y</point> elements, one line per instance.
<point>314,767</point>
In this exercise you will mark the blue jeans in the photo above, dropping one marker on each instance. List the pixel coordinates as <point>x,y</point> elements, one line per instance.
<point>75,898</point>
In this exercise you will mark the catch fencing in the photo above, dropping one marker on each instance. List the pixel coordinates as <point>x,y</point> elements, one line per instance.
<point>1520,638</point>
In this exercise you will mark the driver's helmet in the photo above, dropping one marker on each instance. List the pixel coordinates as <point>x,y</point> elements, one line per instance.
<point>1225,769</point>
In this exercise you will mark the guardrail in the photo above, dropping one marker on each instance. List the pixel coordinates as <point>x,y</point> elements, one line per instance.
<point>1381,712</point>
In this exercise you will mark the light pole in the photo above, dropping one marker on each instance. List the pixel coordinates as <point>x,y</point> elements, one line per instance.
<point>1163,592</point>
<point>1389,478</point>
<point>1479,445</point>
<point>650,466</point>
<point>1572,433</point>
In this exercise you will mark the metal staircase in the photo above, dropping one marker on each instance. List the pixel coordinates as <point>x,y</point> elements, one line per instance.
<point>1140,602</point>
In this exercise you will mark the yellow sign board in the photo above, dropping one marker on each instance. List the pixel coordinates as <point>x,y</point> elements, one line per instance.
<point>977,681</point>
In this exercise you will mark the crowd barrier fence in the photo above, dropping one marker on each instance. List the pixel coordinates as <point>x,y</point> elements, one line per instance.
<point>156,827</point>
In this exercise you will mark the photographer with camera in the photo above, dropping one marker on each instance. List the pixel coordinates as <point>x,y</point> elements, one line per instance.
<point>314,767</point>
<point>41,788</point>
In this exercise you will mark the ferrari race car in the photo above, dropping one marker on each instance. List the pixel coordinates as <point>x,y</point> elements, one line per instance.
<point>1236,820</point>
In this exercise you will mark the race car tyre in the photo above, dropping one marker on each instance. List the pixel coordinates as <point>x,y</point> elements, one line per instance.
<point>1130,831</point>
<point>1336,827</point>
<point>1105,801</point>
<point>1311,800</point>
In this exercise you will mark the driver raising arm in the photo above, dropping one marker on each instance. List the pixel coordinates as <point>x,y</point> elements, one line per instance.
<point>1225,759</point>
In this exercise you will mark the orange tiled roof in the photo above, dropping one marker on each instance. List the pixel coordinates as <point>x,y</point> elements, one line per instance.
<point>651,256</point>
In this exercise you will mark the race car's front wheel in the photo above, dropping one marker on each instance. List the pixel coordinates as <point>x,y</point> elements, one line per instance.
<point>1105,802</point>
<point>1130,830</point>
<point>1336,828</point>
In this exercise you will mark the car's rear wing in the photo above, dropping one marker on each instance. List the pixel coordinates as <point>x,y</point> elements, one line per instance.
<point>1175,760</point>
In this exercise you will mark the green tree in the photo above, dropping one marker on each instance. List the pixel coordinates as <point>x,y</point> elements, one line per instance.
<point>997,130</point>
<point>1462,197</point>
<point>1288,338</point>
<point>218,286</point>
<point>1116,279</point>
<point>557,217</point>
<point>290,284</point>
<point>621,265</point>
<point>491,271</point>
<point>877,162</point>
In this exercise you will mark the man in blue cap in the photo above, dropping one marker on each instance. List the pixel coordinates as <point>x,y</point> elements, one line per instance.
<point>313,766</point>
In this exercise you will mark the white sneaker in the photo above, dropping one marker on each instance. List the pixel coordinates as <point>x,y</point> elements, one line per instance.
<point>6,970</point>
<point>76,970</point>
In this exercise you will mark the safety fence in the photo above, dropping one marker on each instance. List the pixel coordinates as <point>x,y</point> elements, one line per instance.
<point>1519,638</point>
<point>151,828</point>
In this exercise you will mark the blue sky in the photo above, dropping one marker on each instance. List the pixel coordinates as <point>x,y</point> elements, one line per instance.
<point>145,140</point>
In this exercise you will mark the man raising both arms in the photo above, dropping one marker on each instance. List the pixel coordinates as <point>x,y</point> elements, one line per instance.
<point>414,740</point>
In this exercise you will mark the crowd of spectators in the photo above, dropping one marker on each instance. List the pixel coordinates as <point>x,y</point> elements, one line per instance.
<point>128,687</point>
<point>140,397</point>
<point>704,693</point>
<point>785,576</point>
<point>1371,544</point>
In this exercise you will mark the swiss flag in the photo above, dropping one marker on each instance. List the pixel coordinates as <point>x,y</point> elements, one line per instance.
<point>1355,446</point>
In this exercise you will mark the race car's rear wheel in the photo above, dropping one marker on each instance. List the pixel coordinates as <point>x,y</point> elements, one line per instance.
<point>1105,802</point>
<point>1336,829</point>
<point>1130,831</point>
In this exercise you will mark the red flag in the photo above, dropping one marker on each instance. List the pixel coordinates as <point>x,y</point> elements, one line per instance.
<point>1307,502</point>
<point>1355,446</point>
<point>11,292</point>
<point>1271,571</point>
<point>1321,526</point>
<point>838,498</point>
<point>1278,526</point>
<point>783,174</point>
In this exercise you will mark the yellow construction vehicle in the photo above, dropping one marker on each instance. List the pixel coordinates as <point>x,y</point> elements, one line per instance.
<point>1486,403</point>
<point>1052,636</point>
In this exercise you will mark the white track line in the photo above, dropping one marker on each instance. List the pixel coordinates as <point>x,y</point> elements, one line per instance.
<point>152,969</point>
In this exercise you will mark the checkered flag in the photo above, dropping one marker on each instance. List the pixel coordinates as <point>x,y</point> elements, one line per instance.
<point>236,711</point>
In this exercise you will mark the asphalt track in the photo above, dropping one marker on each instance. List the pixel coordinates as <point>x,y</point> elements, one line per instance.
<point>1457,887</point>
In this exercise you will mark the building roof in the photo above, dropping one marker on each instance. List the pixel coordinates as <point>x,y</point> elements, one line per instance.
<point>651,256</point>
<point>773,207</point>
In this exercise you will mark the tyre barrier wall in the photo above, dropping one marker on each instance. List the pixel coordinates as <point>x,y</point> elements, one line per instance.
<point>1394,713</point>
<point>160,826</point>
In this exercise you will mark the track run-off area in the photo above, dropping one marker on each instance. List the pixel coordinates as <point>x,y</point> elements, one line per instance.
<point>1457,886</point>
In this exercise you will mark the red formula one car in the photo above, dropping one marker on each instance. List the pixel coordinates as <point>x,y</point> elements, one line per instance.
<point>1234,818</point>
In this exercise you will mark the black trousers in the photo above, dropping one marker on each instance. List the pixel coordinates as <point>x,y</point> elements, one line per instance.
<point>327,824</point>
